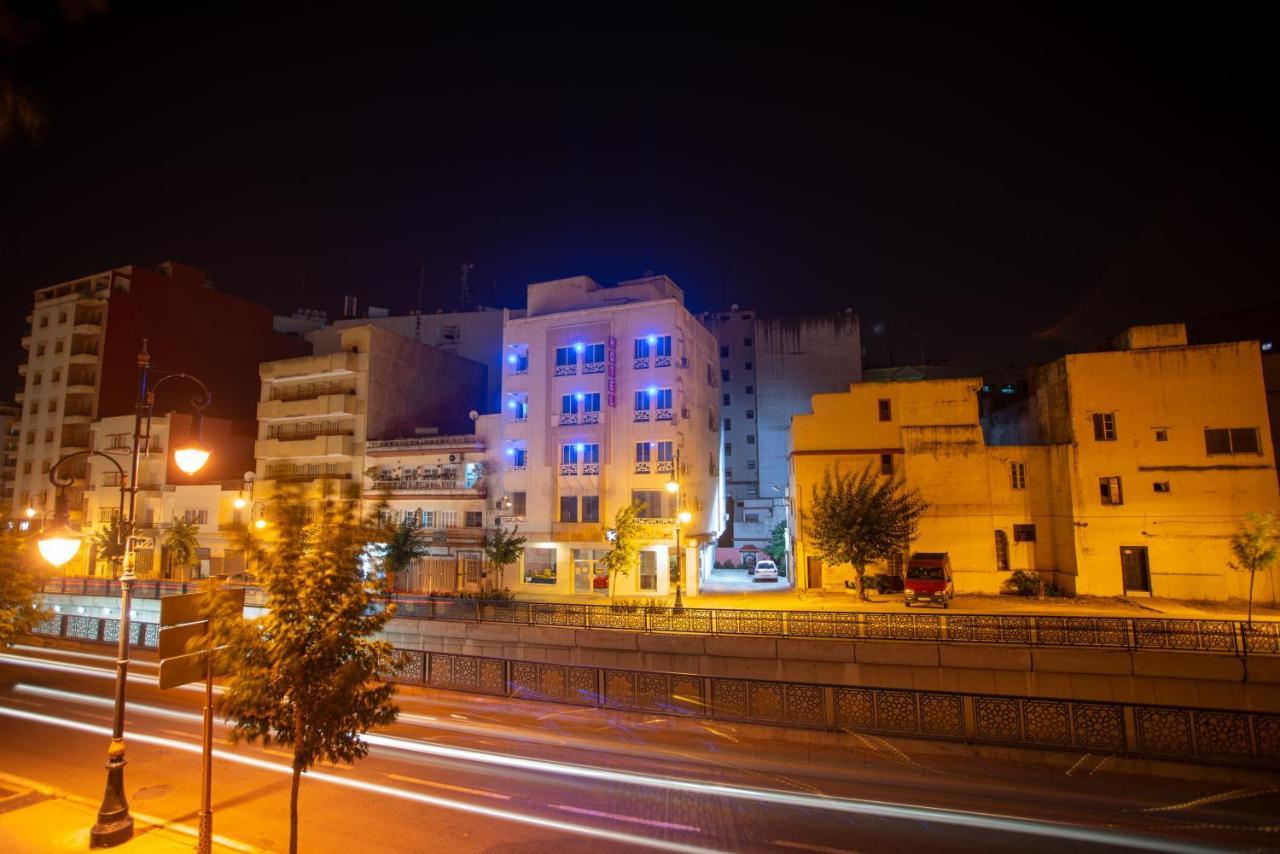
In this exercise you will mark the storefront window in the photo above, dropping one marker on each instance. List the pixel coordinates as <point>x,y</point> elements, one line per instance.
<point>539,566</point>
<point>648,570</point>
<point>589,574</point>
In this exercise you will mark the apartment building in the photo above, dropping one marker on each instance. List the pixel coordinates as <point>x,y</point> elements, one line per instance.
<point>316,413</point>
<point>216,498</point>
<point>439,484</point>
<point>609,394</point>
<point>10,431</point>
<point>1124,473</point>
<point>769,369</point>
<point>81,361</point>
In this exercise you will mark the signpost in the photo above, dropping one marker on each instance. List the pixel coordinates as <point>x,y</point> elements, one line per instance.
<point>186,658</point>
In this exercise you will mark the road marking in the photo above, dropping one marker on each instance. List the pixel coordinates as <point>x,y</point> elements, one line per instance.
<point>805,846</point>
<point>182,734</point>
<point>647,821</point>
<point>1233,795</point>
<point>715,731</point>
<point>1077,764</point>
<point>1098,767</point>
<point>481,792</point>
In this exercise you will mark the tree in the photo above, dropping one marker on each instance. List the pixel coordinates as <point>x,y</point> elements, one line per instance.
<point>108,545</point>
<point>777,547</point>
<point>20,610</point>
<point>503,548</point>
<point>404,543</point>
<point>1255,546</point>
<point>305,673</point>
<point>181,543</point>
<point>863,519</point>
<point>626,546</point>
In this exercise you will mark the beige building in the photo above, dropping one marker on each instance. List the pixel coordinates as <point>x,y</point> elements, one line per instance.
<point>438,484</point>
<point>316,413</point>
<point>1125,472</point>
<point>608,395</point>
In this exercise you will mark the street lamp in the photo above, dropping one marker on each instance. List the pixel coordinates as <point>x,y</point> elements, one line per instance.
<point>59,543</point>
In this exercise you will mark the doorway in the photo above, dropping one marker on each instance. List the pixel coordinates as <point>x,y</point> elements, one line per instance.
<point>814,567</point>
<point>1135,569</point>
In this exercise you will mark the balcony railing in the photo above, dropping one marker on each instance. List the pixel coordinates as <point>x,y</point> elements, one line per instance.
<point>520,419</point>
<point>666,466</point>
<point>301,476</point>
<point>417,442</point>
<point>640,364</point>
<point>591,468</point>
<point>665,415</point>
<point>642,415</point>
<point>566,370</point>
<point>428,485</point>
<point>656,521</point>
<point>642,467</point>
<point>567,418</point>
<point>298,435</point>
<point>517,467</point>
<point>568,469</point>
<point>309,391</point>
<point>593,368</point>
<point>591,418</point>
<point>662,362</point>
<point>518,372</point>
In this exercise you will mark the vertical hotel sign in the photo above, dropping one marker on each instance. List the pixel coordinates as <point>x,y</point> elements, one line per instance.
<point>611,368</point>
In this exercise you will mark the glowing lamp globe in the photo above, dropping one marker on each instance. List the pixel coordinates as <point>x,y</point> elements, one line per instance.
<point>685,517</point>
<point>672,486</point>
<point>31,512</point>
<point>191,457</point>
<point>59,543</point>
<point>240,503</point>
<point>260,524</point>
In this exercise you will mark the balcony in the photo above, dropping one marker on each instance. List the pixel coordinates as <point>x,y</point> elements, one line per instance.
<point>468,442</point>
<point>567,418</point>
<point>593,368</point>
<point>643,467</point>
<point>430,485</point>
<point>590,468</point>
<point>517,467</point>
<point>590,418</point>
<point>642,415</point>
<point>78,386</point>
<point>304,474</point>
<point>87,326</point>
<point>519,419</point>
<point>568,469</point>
<point>22,369</point>
<point>666,466</point>
<point>77,416</point>
<point>640,364</point>
<point>664,415</point>
<point>509,520</point>
<point>316,406</point>
<point>317,446</point>
<point>566,370</point>
<point>311,366</point>
<point>662,362</point>
<point>463,535</point>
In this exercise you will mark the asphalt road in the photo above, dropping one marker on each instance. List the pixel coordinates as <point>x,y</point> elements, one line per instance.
<point>461,773</point>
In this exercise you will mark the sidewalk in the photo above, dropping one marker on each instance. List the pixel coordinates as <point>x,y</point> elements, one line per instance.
<point>35,818</point>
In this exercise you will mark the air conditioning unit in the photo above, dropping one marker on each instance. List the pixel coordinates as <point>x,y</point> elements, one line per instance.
<point>453,458</point>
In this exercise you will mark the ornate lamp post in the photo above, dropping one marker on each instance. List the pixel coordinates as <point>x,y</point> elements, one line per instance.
<point>59,543</point>
<point>683,517</point>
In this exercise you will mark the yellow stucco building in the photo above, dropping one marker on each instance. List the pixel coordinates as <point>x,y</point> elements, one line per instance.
<point>1124,472</point>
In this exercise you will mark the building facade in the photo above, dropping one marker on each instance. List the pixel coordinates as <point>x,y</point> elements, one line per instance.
<point>609,395</point>
<point>769,370</point>
<point>1124,473</point>
<point>81,361</point>
<point>10,433</point>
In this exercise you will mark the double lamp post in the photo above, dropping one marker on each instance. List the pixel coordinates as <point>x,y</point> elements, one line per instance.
<point>59,542</point>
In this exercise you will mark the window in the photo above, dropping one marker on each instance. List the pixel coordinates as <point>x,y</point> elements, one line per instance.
<point>642,348</point>
<point>728,474</point>
<point>666,452</point>
<point>473,519</point>
<point>568,455</point>
<point>34,407</point>
<point>1104,426</point>
<point>593,355</point>
<point>539,566</point>
<point>751,389</point>
<point>59,345</point>
<point>1002,551</point>
<point>664,346</point>
<point>724,352</point>
<point>198,517</point>
<point>751,518</point>
<point>652,503</point>
<point>728,424</point>
<point>1024,533</point>
<point>648,570</point>
<point>726,400</point>
<point>728,449</point>
<point>642,400</point>
<point>53,406</point>
<point>591,402</point>
<point>45,465</point>
<point>37,378</point>
<point>111,478</point>
<point>117,440</point>
<point>26,467</point>
<point>746,342</point>
<point>724,375</point>
<point>1017,475</point>
<point>886,464</point>
<point>749,366</point>
<point>886,411</point>
<point>39,350</point>
<point>664,398</point>
<point>520,457</point>
<point>31,437</point>
<point>751,413</point>
<point>568,404</point>
<point>751,439</point>
<point>1161,486</point>
<point>568,508</point>
<point>57,377</point>
<point>1162,435</point>
<point>519,503</point>
<point>48,435</point>
<point>566,357</point>
<point>644,451</point>
<point>591,453</point>
<point>1109,490</point>
<point>62,317</point>
<point>751,465</point>
<point>1234,440</point>
<point>44,321</point>
<point>591,508</point>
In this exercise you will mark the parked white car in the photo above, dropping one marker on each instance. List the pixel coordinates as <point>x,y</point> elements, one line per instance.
<point>766,570</point>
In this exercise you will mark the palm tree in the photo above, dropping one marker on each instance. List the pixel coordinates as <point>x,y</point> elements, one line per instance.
<point>181,544</point>
<point>404,544</point>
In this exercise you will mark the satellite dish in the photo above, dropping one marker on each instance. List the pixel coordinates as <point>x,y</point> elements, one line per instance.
<point>473,415</point>
<point>249,475</point>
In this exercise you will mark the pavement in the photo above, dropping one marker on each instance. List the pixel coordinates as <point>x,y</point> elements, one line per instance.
<point>470,773</point>
<point>36,818</point>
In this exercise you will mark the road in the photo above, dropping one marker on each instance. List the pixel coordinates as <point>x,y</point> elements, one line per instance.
<point>463,773</point>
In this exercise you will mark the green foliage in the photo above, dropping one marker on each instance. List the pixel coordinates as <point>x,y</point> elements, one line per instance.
<point>305,674</point>
<point>638,603</point>
<point>625,553</point>
<point>862,519</point>
<point>503,595</point>
<point>777,546</point>
<point>1255,546</point>
<point>108,545</point>
<point>1023,583</point>
<point>181,543</point>
<point>403,543</point>
<point>20,608</point>
<point>503,548</point>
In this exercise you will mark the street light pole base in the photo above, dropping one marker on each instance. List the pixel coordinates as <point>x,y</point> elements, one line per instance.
<point>111,834</point>
<point>115,825</point>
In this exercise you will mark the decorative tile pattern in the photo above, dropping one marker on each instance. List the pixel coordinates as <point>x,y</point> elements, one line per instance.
<point>748,622</point>
<point>855,708</point>
<point>765,702</point>
<point>979,628</point>
<point>686,695</point>
<point>51,626</point>
<point>1098,725</point>
<point>688,620</point>
<point>896,710</point>
<point>806,705</point>
<point>1266,736</point>
<point>941,714</point>
<point>1164,731</point>
<point>819,624</point>
<point>1222,733</point>
<point>729,698</point>
<point>620,689</point>
<point>654,692</point>
<point>524,678</point>
<point>997,718</point>
<point>1047,721</point>
<point>583,686</point>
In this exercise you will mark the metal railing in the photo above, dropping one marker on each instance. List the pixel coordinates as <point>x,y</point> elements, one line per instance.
<point>1119,633</point>
<point>1222,736</point>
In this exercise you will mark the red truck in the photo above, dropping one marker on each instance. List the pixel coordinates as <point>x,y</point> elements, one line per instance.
<point>929,579</point>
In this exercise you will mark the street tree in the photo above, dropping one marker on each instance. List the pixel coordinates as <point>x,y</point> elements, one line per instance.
<point>182,544</point>
<point>625,553</point>
<point>777,545</point>
<point>503,548</point>
<point>306,673</point>
<point>861,519</point>
<point>1255,546</point>
<point>108,546</point>
<point>403,543</point>
<point>20,609</point>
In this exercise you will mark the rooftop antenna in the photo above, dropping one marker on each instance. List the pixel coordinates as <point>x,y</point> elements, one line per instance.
<point>466,294</point>
<point>422,278</point>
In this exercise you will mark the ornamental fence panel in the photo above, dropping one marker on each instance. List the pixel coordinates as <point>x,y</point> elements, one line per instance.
<point>1128,633</point>
<point>1221,736</point>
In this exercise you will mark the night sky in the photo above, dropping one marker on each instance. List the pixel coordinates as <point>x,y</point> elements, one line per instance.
<point>996,187</point>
